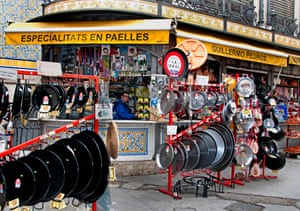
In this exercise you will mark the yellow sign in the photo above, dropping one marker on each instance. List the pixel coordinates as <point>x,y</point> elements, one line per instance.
<point>113,37</point>
<point>244,54</point>
<point>18,63</point>
<point>294,59</point>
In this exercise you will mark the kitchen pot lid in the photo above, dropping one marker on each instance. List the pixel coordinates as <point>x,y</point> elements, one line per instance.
<point>166,101</point>
<point>56,169</point>
<point>103,181</point>
<point>193,154</point>
<point>42,178</point>
<point>245,87</point>
<point>164,156</point>
<point>20,181</point>
<point>71,166</point>
<point>85,162</point>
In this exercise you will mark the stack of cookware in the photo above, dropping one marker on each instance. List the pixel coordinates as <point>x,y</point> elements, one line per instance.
<point>75,167</point>
<point>210,148</point>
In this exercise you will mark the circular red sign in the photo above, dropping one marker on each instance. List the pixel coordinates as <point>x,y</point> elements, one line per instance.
<point>175,63</point>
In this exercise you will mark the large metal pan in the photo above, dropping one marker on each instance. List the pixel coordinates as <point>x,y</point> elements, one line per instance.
<point>204,153</point>
<point>198,99</point>
<point>180,157</point>
<point>103,181</point>
<point>56,170</point>
<point>166,101</point>
<point>226,133</point>
<point>211,151</point>
<point>3,188</point>
<point>193,154</point>
<point>20,181</point>
<point>42,178</point>
<point>178,102</point>
<point>164,156</point>
<point>94,149</point>
<point>71,166</point>
<point>45,90</point>
<point>85,161</point>
<point>221,147</point>
<point>275,161</point>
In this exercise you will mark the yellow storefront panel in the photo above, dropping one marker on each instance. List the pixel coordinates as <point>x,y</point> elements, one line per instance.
<point>237,50</point>
<point>94,32</point>
<point>294,59</point>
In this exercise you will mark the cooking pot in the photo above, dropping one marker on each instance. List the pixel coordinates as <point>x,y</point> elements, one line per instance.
<point>193,154</point>
<point>164,156</point>
<point>56,170</point>
<point>85,161</point>
<point>71,166</point>
<point>42,178</point>
<point>103,181</point>
<point>20,181</point>
<point>94,149</point>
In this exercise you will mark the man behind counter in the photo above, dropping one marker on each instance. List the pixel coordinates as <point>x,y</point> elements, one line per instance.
<point>121,110</point>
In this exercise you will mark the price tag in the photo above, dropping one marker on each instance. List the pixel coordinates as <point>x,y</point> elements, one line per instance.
<point>201,80</point>
<point>171,129</point>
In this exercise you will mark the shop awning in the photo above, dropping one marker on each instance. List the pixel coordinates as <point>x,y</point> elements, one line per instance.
<point>147,31</point>
<point>294,59</point>
<point>236,50</point>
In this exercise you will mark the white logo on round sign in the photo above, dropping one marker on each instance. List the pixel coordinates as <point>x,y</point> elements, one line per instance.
<point>174,65</point>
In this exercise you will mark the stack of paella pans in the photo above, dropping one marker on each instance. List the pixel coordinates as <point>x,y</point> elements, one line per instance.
<point>75,167</point>
<point>210,148</point>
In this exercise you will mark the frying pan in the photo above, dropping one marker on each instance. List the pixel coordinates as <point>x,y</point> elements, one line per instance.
<point>180,157</point>
<point>178,102</point>
<point>166,101</point>
<point>212,99</point>
<point>61,97</point>
<point>67,156</point>
<point>26,100</point>
<point>45,90</point>
<point>92,94</point>
<point>2,188</point>
<point>17,100</point>
<point>204,153</point>
<point>20,181</point>
<point>56,169</point>
<point>85,161</point>
<point>230,143</point>
<point>164,156</point>
<point>221,147</point>
<point>193,153</point>
<point>80,96</point>
<point>94,149</point>
<point>103,181</point>
<point>42,178</point>
<point>197,100</point>
<point>211,151</point>
<point>275,161</point>
<point>4,102</point>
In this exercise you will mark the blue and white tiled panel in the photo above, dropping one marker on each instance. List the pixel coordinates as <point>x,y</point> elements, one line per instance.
<point>19,11</point>
<point>134,143</point>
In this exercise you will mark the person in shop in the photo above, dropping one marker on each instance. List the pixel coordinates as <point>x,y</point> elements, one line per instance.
<point>121,110</point>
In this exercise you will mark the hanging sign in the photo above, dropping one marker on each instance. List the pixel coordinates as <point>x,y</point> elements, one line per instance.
<point>175,63</point>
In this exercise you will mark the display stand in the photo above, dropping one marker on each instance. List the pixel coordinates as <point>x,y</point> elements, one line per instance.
<point>63,128</point>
